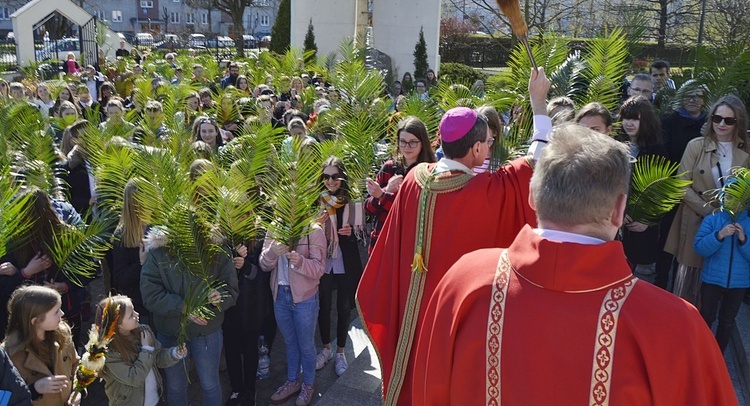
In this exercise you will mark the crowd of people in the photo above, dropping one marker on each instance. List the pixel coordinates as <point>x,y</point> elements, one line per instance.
<point>426,302</point>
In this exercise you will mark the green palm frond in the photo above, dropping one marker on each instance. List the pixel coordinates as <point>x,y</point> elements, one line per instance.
<point>293,189</point>
<point>606,63</point>
<point>77,250</point>
<point>426,110</point>
<point>567,79</point>
<point>734,197</point>
<point>655,189</point>
<point>14,209</point>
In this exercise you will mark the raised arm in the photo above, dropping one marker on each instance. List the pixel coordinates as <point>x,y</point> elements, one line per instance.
<point>539,85</point>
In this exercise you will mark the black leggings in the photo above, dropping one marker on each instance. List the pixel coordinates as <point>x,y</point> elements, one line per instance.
<point>327,284</point>
<point>242,326</point>
<point>727,302</point>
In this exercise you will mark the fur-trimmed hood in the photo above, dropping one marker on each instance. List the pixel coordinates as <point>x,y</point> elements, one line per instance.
<point>156,237</point>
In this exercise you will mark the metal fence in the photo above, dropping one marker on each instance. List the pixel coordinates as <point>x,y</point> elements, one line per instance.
<point>8,60</point>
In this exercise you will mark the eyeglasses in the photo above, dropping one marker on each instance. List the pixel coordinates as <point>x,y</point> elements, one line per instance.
<point>727,120</point>
<point>335,177</point>
<point>642,91</point>
<point>693,97</point>
<point>410,144</point>
<point>153,109</point>
<point>490,142</point>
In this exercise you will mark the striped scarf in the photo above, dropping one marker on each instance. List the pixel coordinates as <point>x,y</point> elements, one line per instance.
<point>355,218</point>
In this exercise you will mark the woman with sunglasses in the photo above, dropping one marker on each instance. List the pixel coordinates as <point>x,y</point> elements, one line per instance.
<point>413,147</point>
<point>707,162</point>
<point>343,266</point>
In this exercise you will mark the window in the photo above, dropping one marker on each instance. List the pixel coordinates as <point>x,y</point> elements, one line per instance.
<point>261,3</point>
<point>5,13</point>
<point>174,18</point>
<point>190,18</point>
<point>204,19</point>
<point>100,15</point>
<point>116,16</point>
<point>265,21</point>
<point>147,4</point>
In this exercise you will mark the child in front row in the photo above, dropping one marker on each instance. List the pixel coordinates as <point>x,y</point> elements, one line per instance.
<point>722,241</point>
<point>130,373</point>
<point>40,344</point>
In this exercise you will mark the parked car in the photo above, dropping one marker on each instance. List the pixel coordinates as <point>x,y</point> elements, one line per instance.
<point>171,41</point>
<point>265,41</point>
<point>249,41</point>
<point>144,39</point>
<point>197,41</point>
<point>220,42</point>
<point>58,49</point>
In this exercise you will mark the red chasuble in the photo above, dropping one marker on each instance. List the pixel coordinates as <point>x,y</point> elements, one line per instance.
<point>487,212</point>
<point>562,324</point>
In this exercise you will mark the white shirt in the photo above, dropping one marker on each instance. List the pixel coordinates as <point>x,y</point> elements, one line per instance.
<point>564,236</point>
<point>282,268</point>
<point>151,395</point>
<point>447,164</point>
<point>724,151</point>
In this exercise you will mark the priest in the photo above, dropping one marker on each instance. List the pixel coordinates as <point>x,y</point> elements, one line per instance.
<point>558,318</point>
<point>442,211</point>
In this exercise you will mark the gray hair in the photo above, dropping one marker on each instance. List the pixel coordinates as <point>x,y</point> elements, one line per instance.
<point>579,176</point>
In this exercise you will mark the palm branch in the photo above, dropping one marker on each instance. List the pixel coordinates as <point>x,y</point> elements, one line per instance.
<point>734,197</point>
<point>293,189</point>
<point>606,63</point>
<point>14,209</point>
<point>655,189</point>
<point>77,250</point>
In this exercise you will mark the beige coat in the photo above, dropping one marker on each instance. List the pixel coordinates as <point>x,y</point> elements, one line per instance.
<point>698,160</point>
<point>33,369</point>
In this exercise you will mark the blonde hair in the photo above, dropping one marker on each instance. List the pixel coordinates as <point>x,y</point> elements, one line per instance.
<point>131,225</point>
<point>125,345</point>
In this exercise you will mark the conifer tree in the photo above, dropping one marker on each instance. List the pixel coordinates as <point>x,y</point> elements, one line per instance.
<point>310,43</point>
<point>420,57</point>
<point>281,31</point>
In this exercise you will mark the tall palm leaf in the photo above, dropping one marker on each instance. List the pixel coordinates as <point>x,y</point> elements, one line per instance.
<point>14,209</point>
<point>77,250</point>
<point>293,190</point>
<point>655,189</point>
<point>606,63</point>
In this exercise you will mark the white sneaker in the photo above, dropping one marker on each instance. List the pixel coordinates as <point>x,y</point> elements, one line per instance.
<point>323,357</point>
<point>340,363</point>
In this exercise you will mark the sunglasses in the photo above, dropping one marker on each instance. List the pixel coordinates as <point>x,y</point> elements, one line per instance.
<point>153,109</point>
<point>334,178</point>
<point>727,120</point>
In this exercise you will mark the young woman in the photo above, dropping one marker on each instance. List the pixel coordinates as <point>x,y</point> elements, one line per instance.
<point>295,275</point>
<point>40,345</point>
<point>496,129</point>
<point>407,83</point>
<point>70,66</point>
<point>707,161</point>
<point>243,86</point>
<point>206,129</point>
<point>65,94</point>
<point>130,369</point>
<point>431,79</point>
<point>190,111</point>
<point>343,265</point>
<point>66,116</point>
<point>129,252</point>
<point>32,263</point>
<point>413,147</point>
<point>641,129</point>
<point>77,176</point>
<point>43,99</point>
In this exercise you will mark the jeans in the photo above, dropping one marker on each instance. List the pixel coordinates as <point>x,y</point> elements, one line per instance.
<point>297,325</point>
<point>730,300</point>
<point>343,310</point>
<point>205,351</point>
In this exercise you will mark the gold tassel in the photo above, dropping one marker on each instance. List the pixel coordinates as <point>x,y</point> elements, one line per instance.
<point>417,264</point>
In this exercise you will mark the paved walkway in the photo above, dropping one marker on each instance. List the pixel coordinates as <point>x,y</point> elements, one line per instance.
<point>360,385</point>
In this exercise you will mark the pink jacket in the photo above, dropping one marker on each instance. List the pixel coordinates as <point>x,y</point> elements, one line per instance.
<point>303,280</point>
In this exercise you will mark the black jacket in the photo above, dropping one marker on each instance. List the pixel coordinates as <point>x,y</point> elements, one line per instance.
<point>677,131</point>
<point>11,381</point>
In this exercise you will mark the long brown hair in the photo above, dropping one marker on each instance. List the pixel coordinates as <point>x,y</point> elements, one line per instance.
<point>415,126</point>
<point>45,226</point>
<point>734,103</point>
<point>25,304</point>
<point>131,226</point>
<point>337,163</point>
<point>126,345</point>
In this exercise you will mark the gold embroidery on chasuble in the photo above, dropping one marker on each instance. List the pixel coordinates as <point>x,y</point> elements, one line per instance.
<point>604,349</point>
<point>432,185</point>
<point>495,328</point>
